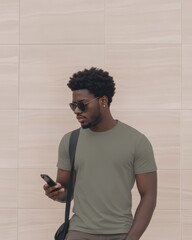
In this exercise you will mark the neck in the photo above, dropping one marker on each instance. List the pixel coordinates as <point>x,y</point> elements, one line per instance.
<point>107,123</point>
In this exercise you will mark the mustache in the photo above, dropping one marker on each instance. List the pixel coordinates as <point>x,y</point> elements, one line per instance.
<point>80,117</point>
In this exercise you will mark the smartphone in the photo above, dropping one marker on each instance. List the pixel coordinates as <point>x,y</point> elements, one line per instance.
<point>48,180</point>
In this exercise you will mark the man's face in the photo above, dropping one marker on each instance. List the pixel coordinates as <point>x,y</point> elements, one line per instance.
<point>91,116</point>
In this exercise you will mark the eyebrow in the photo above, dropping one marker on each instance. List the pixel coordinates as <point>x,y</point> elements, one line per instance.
<point>79,101</point>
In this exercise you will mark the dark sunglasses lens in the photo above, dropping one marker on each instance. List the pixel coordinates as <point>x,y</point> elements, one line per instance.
<point>72,106</point>
<point>80,105</point>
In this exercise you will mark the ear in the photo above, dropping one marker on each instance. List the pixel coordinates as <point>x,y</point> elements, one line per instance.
<point>104,101</point>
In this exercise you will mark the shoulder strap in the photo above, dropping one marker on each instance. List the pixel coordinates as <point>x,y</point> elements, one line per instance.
<point>72,149</point>
<point>73,144</point>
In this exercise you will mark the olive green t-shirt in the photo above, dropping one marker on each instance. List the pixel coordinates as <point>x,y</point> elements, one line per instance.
<point>105,165</point>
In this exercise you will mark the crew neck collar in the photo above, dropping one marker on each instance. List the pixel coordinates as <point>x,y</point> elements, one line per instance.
<point>104,132</point>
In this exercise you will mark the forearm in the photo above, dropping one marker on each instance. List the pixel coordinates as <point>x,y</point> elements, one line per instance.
<point>142,217</point>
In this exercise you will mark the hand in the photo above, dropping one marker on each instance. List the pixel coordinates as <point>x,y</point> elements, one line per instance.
<point>56,193</point>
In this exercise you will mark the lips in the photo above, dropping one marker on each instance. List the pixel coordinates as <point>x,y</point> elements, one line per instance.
<point>81,119</point>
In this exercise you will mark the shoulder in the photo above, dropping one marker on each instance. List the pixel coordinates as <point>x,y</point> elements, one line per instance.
<point>133,135</point>
<point>128,130</point>
<point>66,137</point>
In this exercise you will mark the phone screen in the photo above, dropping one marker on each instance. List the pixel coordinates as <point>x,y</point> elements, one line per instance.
<point>48,180</point>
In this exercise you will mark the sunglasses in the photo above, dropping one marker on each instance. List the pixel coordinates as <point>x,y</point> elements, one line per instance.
<point>80,105</point>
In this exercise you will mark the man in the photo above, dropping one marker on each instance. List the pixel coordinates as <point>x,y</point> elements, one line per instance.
<point>110,157</point>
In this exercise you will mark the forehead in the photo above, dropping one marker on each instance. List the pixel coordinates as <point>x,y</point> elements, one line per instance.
<point>81,94</point>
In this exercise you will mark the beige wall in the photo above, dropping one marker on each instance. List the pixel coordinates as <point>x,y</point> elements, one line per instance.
<point>146,46</point>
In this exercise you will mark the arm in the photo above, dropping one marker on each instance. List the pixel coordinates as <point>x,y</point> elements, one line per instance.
<point>147,187</point>
<point>62,180</point>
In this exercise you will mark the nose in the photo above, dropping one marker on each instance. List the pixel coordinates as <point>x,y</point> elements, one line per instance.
<point>77,110</point>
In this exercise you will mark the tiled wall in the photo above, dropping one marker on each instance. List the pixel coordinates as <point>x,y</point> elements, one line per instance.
<point>147,46</point>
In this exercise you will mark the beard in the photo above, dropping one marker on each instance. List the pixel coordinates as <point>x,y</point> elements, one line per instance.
<point>93,123</point>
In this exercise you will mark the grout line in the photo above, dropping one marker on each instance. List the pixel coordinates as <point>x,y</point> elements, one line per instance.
<point>19,58</point>
<point>181,158</point>
<point>104,34</point>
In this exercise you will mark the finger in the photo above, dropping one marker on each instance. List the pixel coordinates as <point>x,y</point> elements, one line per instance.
<point>46,186</point>
<point>55,189</point>
<point>54,194</point>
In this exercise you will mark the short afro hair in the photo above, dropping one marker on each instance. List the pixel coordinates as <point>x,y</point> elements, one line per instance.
<point>97,81</point>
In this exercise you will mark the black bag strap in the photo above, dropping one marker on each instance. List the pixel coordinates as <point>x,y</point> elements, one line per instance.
<point>72,149</point>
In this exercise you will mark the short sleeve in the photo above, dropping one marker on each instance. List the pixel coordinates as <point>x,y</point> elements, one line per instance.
<point>63,153</point>
<point>144,160</point>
